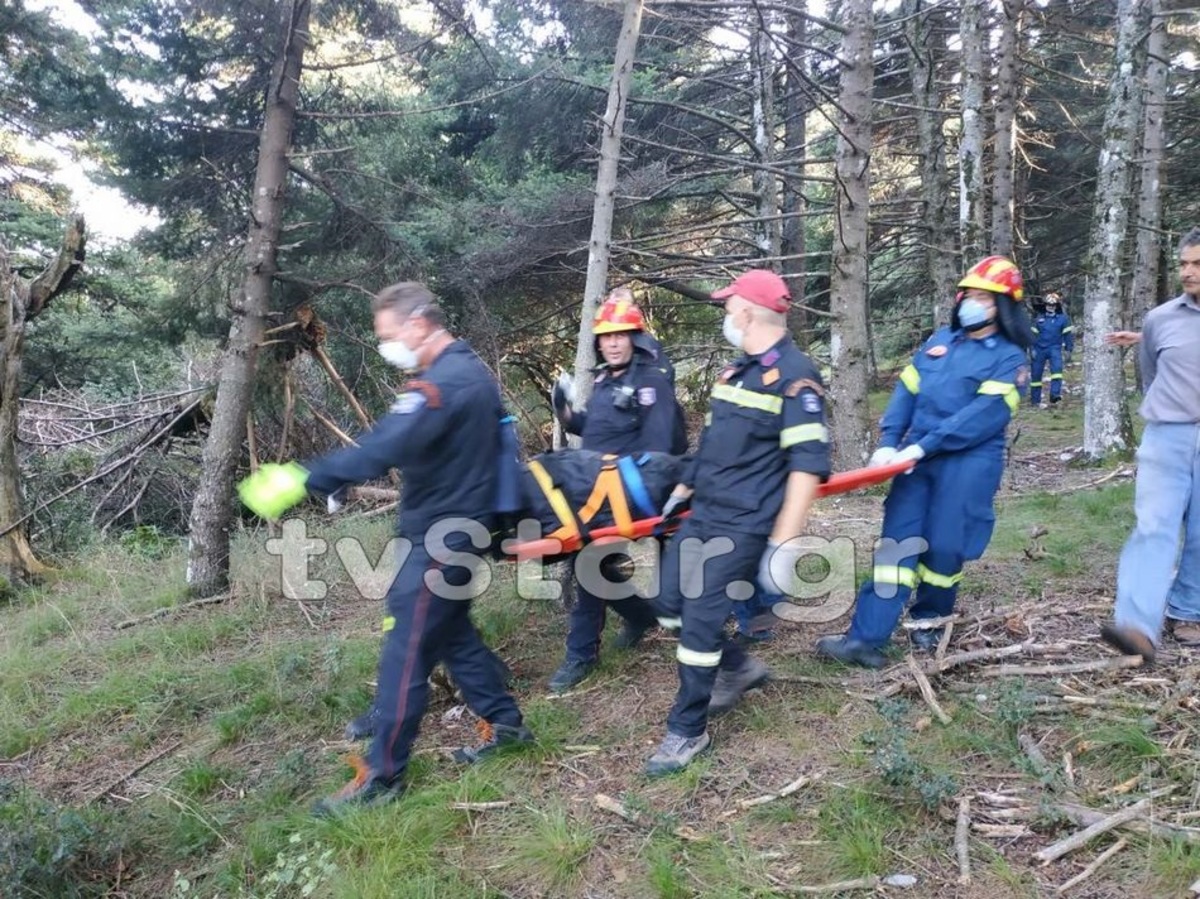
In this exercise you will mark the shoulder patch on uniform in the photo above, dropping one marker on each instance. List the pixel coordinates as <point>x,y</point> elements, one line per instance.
<point>771,357</point>
<point>937,351</point>
<point>794,388</point>
<point>407,403</point>
<point>647,396</point>
<point>770,376</point>
<point>427,389</point>
<point>811,403</point>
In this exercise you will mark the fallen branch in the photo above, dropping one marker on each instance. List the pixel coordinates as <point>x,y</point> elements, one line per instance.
<point>863,883</point>
<point>1002,831</point>
<point>783,792</point>
<point>1111,664</point>
<point>962,833</point>
<point>1118,472</point>
<point>927,691</point>
<point>1034,753</point>
<point>113,784</point>
<point>171,610</point>
<point>479,806</point>
<point>1094,866</point>
<point>618,808</point>
<point>1085,836</point>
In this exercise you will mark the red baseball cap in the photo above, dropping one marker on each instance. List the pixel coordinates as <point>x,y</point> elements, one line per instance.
<point>760,287</point>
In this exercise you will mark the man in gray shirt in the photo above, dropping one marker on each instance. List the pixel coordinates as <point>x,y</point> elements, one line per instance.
<point>1150,586</point>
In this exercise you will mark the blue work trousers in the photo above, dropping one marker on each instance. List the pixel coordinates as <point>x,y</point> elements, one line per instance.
<point>587,618</point>
<point>429,629</point>
<point>1159,574</point>
<point>1053,357</point>
<point>934,519</point>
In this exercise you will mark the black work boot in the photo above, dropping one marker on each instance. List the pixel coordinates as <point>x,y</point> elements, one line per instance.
<point>926,639</point>
<point>570,674</point>
<point>630,635</point>
<point>851,652</point>
<point>363,791</point>
<point>494,737</point>
<point>731,685</point>
<point>363,727</point>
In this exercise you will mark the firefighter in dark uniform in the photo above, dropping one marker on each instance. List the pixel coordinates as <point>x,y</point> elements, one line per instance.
<point>632,409</point>
<point>948,414</point>
<point>763,453</point>
<point>443,435</point>
<point>1053,344</point>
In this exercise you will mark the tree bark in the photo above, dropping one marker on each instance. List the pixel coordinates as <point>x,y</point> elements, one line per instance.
<point>925,47</point>
<point>1147,256</point>
<point>1106,424</point>
<point>599,246</point>
<point>1006,98</point>
<point>762,72</point>
<point>212,508</point>
<point>848,342</point>
<point>971,184</point>
<point>20,302</point>
<point>792,237</point>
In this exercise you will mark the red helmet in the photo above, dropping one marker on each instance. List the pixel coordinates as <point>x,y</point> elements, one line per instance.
<point>618,313</point>
<point>995,274</point>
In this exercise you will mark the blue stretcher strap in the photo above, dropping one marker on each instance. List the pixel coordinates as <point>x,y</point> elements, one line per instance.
<point>636,487</point>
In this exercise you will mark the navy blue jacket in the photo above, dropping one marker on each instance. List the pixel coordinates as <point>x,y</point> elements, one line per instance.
<point>956,394</point>
<point>766,420</point>
<point>1052,330</point>
<point>633,412</point>
<point>442,434</point>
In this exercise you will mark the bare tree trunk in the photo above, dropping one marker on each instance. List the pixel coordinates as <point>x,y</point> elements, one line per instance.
<point>848,342</point>
<point>792,237</point>
<point>925,46</point>
<point>20,302</point>
<point>971,184</point>
<point>762,65</point>
<point>1007,90</point>
<point>1106,424</point>
<point>212,509</point>
<point>606,187</point>
<point>1145,294</point>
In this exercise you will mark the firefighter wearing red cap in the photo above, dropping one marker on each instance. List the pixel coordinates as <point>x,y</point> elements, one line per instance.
<point>632,409</point>
<point>761,457</point>
<point>948,414</point>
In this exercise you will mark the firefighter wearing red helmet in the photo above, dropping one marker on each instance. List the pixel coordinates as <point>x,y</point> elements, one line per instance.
<point>948,414</point>
<point>632,410</point>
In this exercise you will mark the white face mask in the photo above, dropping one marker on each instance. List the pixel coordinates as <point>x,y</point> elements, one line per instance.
<point>397,353</point>
<point>733,334</point>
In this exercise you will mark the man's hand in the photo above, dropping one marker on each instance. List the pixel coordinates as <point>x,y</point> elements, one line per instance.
<point>1123,338</point>
<point>677,502</point>
<point>885,455</point>
<point>273,489</point>
<point>777,567</point>
<point>912,453</point>
<point>562,397</point>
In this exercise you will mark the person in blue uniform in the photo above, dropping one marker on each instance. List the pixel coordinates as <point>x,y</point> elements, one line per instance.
<point>632,409</point>
<point>443,435</point>
<point>1054,341</point>
<point>762,455</point>
<point>948,414</point>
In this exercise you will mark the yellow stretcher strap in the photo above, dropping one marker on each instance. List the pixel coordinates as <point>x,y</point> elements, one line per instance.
<point>558,502</point>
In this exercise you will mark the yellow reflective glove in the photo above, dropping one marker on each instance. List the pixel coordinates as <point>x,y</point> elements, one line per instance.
<point>273,489</point>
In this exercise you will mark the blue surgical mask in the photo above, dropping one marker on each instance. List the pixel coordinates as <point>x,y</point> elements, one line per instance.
<point>973,315</point>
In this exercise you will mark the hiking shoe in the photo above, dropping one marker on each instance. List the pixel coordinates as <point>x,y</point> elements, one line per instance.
<point>926,639</point>
<point>630,635</point>
<point>363,791</point>
<point>570,674</point>
<point>1129,641</point>
<point>1186,633</point>
<point>675,752</point>
<point>752,638</point>
<point>494,737</point>
<point>363,727</point>
<point>850,652</point>
<point>732,685</point>
<point>1055,400</point>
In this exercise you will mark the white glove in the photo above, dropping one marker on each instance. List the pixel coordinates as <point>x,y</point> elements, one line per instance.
<point>777,568</point>
<point>912,453</point>
<point>337,500</point>
<point>885,455</point>
<point>562,397</point>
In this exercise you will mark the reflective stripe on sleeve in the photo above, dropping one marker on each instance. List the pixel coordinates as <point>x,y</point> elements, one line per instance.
<point>911,378</point>
<point>1002,389</point>
<point>803,433</point>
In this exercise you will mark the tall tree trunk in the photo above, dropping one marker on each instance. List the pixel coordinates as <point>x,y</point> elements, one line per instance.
<point>1144,293</point>
<point>20,302</point>
<point>971,185</point>
<point>925,46</point>
<point>848,342</point>
<point>1106,425</point>
<point>611,129</point>
<point>792,237</point>
<point>212,508</point>
<point>762,72</point>
<point>1007,94</point>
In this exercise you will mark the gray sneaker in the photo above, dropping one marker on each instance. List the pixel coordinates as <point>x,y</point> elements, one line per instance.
<point>732,685</point>
<point>675,752</point>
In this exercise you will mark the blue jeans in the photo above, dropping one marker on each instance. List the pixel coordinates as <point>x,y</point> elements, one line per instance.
<point>1149,585</point>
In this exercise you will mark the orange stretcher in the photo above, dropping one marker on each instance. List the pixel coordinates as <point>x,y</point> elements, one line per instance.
<point>570,540</point>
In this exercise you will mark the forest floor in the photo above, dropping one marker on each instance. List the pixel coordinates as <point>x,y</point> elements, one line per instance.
<point>178,755</point>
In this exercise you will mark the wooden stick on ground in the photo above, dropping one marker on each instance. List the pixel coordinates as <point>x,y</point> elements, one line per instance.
<point>1094,866</point>
<point>171,610</point>
<point>927,691</point>
<point>862,883</point>
<point>1111,664</point>
<point>479,806</point>
<point>113,784</point>
<point>962,833</point>
<point>798,783</point>
<point>1034,753</point>
<point>616,807</point>
<point>1082,838</point>
<point>944,643</point>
